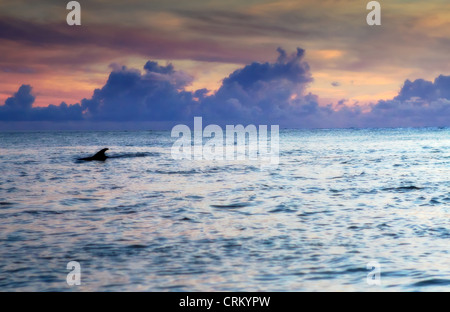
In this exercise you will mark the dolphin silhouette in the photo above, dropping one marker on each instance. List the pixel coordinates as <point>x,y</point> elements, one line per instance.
<point>100,155</point>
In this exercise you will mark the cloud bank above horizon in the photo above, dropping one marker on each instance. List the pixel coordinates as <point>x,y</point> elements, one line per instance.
<point>258,93</point>
<point>209,39</point>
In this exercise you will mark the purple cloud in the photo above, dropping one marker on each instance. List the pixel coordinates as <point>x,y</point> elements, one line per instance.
<point>426,90</point>
<point>19,108</point>
<point>259,93</point>
<point>264,92</point>
<point>156,95</point>
<point>335,84</point>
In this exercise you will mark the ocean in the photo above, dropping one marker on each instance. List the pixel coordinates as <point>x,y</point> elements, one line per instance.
<point>141,221</point>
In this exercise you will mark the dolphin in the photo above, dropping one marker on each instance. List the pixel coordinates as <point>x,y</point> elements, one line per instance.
<point>100,155</point>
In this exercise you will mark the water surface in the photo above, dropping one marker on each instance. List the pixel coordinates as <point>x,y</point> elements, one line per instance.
<point>141,221</point>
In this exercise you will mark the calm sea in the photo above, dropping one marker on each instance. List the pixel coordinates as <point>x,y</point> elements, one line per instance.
<point>141,221</point>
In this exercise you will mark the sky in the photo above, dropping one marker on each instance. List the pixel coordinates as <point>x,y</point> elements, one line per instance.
<point>153,64</point>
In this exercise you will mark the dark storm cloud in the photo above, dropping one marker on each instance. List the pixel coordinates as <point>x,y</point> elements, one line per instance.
<point>263,92</point>
<point>22,99</point>
<point>410,113</point>
<point>419,103</point>
<point>157,94</point>
<point>286,68</point>
<point>19,108</point>
<point>426,90</point>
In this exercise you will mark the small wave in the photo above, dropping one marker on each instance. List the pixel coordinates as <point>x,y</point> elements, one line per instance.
<point>27,162</point>
<point>43,212</point>
<point>432,282</point>
<point>196,197</point>
<point>188,220</point>
<point>310,213</point>
<point>177,172</point>
<point>114,250</point>
<point>231,206</point>
<point>136,155</point>
<point>434,201</point>
<point>75,201</point>
<point>7,204</point>
<point>57,178</point>
<point>312,190</point>
<point>282,208</point>
<point>122,209</point>
<point>403,188</point>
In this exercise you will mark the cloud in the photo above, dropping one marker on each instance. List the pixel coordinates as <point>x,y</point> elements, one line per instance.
<point>263,92</point>
<point>229,23</point>
<point>107,42</point>
<point>426,90</point>
<point>259,93</point>
<point>418,103</point>
<point>129,95</point>
<point>335,84</point>
<point>19,108</point>
<point>22,99</point>
<point>288,68</point>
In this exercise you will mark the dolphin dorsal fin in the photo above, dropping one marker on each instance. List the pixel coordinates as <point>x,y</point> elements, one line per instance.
<point>101,153</point>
